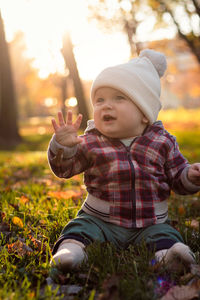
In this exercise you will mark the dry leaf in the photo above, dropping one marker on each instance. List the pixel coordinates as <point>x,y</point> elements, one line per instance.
<point>18,222</point>
<point>183,292</point>
<point>20,248</point>
<point>37,243</point>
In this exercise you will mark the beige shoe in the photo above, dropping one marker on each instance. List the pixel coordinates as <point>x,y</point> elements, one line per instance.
<point>178,258</point>
<point>70,255</point>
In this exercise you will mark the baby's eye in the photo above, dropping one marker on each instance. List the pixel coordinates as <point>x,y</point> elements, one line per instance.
<point>120,97</point>
<point>99,100</point>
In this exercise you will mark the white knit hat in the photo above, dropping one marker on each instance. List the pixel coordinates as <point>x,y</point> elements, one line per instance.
<point>139,79</point>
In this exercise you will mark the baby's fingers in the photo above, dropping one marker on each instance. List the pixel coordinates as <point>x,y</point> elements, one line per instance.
<point>78,121</point>
<point>69,117</point>
<point>55,126</point>
<point>61,119</point>
<point>196,167</point>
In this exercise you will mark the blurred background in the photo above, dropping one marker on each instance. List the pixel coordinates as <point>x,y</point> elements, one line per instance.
<point>50,51</point>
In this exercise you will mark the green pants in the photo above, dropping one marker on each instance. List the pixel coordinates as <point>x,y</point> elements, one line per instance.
<point>88,229</point>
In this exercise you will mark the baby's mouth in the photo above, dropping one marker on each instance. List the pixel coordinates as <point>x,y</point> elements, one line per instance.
<point>108,118</point>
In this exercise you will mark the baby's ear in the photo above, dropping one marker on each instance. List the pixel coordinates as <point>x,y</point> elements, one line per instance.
<point>145,120</point>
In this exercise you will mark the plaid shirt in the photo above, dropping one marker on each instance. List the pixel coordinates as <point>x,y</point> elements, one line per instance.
<point>133,182</point>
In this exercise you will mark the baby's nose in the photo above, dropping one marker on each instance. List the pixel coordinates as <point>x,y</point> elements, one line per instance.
<point>108,105</point>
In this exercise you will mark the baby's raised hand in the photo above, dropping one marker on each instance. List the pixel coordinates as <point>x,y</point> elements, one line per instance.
<point>194,173</point>
<point>66,132</point>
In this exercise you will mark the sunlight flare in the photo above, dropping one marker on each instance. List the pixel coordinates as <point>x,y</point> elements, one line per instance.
<point>72,102</point>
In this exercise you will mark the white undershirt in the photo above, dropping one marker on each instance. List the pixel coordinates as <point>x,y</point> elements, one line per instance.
<point>127,141</point>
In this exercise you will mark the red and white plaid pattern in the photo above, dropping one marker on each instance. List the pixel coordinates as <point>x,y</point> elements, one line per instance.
<point>132,179</point>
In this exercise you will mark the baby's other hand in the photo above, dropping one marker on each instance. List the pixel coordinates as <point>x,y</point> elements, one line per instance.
<point>66,132</point>
<point>194,173</point>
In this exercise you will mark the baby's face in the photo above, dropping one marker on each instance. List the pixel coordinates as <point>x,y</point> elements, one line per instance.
<point>116,116</point>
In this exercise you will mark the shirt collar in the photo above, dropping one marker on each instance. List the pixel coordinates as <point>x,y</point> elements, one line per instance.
<point>157,124</point>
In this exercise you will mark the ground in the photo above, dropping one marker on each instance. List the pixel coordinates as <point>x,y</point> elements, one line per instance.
<point>34,207</point>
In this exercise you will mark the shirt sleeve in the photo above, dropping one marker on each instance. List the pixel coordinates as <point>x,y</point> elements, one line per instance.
<point>176,168</point>
<point>66,162</point>
<point>67,151</point>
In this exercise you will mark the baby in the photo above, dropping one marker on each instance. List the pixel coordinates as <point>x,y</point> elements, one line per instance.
<point>130,164</point>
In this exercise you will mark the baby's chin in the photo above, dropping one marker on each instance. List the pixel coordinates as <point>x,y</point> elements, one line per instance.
<point>115,135</point>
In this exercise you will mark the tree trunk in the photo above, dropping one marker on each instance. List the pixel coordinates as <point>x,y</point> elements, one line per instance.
<point>70,62</point>
<point>64,94</point>
<point>9,133</point>
<point>130,31</point>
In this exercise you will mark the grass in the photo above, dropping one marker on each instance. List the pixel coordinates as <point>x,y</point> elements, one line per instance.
<point>34,207</point>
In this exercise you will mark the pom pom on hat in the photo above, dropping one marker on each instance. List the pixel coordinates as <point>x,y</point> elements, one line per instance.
<point>158,60</point>
<point>139,79</point>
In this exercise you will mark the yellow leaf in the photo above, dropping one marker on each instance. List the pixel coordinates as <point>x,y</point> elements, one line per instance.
<point>18,222</point>
<point>188,223</point>
<point>192,224</point>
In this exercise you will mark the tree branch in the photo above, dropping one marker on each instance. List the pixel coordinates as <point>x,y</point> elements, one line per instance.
<point>197,6</point>
<point>188,39</point>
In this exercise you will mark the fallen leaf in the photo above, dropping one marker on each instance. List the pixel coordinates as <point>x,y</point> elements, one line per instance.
<point>20,248</point>
<point>183,292</point>
<point>18,222</point>
<point>37,243</point>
